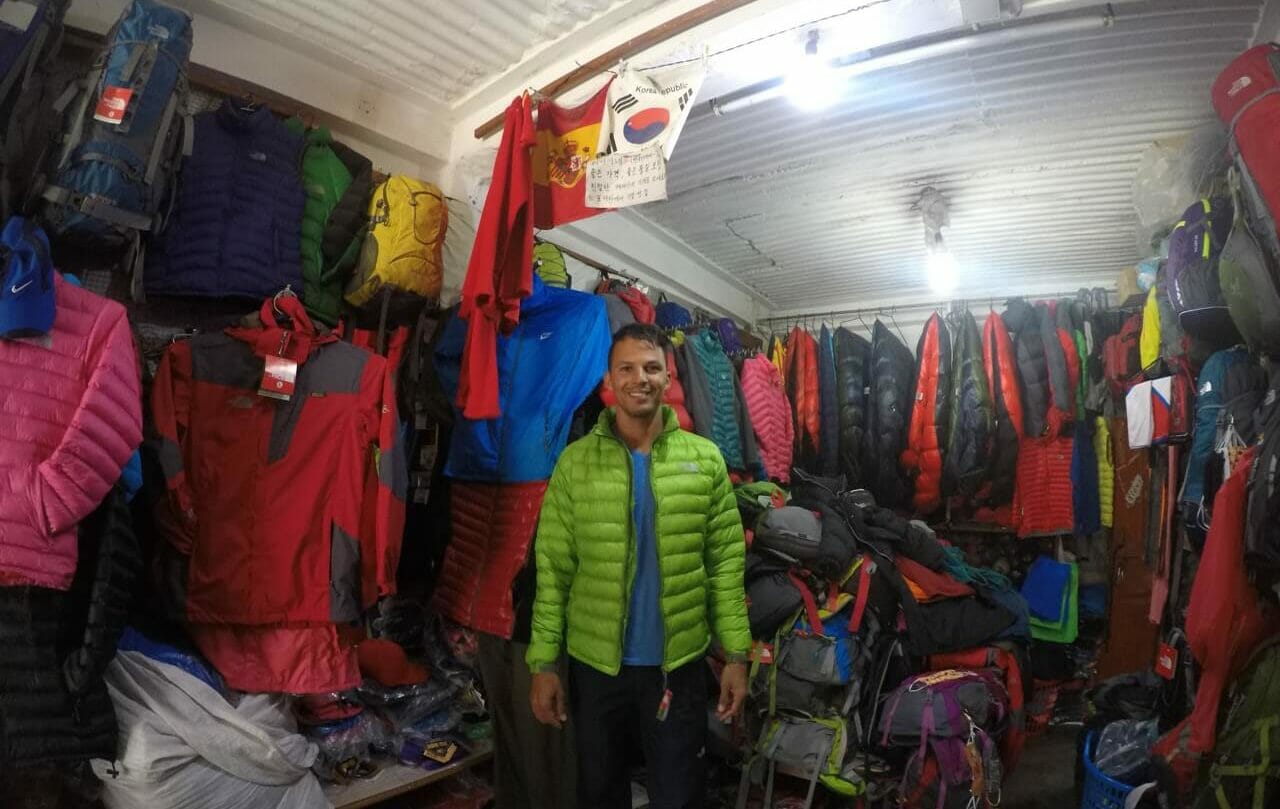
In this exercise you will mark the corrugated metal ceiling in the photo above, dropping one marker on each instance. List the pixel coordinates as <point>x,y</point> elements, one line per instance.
<point>1036,146</point>
<point>440,47</point>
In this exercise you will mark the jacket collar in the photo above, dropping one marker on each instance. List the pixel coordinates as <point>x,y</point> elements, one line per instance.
<point>294,339</point>
<point>608,419</point>
<point>231,116</point>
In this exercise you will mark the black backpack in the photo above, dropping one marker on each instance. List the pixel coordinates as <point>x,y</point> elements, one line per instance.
<point>28,88</point>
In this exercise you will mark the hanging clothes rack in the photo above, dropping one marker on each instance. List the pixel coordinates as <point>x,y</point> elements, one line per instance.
<point>847,315</point>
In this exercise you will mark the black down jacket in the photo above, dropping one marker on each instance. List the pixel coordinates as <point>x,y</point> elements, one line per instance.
<point>54,705</point>
<point>972,429</point>
<point>853,355</point>
<point>888,414</point>
<point>1023,323</point>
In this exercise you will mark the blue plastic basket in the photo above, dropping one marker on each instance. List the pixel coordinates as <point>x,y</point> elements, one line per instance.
<point>1101,791</point>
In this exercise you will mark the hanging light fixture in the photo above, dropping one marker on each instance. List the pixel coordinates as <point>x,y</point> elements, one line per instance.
<point>812,84</point>
<point>941,270</point>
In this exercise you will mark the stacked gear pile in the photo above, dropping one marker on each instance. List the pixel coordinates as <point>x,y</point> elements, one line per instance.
<point>883,665</point>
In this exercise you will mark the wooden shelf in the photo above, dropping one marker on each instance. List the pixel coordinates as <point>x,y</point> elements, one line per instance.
<point>397,779</point>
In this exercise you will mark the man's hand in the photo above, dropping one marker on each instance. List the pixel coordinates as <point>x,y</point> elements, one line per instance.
<point>733,690</point>
<point>546,697</point>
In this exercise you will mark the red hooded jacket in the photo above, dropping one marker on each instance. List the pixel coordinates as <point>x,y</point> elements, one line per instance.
<point>290,512</point>
<point>926,434</point>
<point>802,386</point>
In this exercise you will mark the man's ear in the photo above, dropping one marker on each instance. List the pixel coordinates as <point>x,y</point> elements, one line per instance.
<point>607,382</point>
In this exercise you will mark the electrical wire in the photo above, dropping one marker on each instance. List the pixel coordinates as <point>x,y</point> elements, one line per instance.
<point>765,37</point>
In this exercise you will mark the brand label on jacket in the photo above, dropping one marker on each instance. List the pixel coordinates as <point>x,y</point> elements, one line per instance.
<point>278,378</point>
<point>112,104</point>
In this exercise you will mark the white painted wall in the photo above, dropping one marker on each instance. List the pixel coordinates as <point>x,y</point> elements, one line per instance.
<point>398,134</point>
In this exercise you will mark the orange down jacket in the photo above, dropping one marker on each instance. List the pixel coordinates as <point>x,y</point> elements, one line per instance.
<point>802,387</point>
<point>930,416</point>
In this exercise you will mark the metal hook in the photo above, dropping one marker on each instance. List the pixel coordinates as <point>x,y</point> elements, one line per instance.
<point>275,299</point>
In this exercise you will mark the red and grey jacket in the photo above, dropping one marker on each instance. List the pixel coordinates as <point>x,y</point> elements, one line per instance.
<point>290,512</point>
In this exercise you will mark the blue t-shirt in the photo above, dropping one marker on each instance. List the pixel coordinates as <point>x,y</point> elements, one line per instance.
<point>643,643</point>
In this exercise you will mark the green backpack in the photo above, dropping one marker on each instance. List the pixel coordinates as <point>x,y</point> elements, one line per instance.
<point>1244,772</point>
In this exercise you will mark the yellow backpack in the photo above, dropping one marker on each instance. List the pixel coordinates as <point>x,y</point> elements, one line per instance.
<point>407,223</point>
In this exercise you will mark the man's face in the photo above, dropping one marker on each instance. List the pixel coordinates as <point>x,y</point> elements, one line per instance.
<point>638,377</point>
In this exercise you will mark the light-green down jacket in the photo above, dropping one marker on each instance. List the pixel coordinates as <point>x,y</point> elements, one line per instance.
<point>586,548</point>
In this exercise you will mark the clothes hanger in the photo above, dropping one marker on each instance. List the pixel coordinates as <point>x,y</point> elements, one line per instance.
<point>894,321</point>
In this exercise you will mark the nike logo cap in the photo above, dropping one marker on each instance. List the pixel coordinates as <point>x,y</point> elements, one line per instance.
<point>26,286</point>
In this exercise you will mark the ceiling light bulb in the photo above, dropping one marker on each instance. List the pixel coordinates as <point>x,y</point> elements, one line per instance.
<point>942,272</point>
<point>812,84</point>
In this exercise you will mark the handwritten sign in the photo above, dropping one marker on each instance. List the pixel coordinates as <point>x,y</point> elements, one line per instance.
<point>621,180</point>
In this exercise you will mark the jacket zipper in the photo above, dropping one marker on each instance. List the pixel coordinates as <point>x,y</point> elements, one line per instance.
<point>631,551</point>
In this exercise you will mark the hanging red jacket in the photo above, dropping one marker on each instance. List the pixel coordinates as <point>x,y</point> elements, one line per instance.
<point>492,529</point>
<point>926,434</point>
<point>1042,502</point>
<point>1226,619</point>
<point>500,273</point>
<point>802,386</point>
<point>290,512</point>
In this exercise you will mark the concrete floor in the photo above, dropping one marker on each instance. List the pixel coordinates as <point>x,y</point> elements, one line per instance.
<point>1045,777</point>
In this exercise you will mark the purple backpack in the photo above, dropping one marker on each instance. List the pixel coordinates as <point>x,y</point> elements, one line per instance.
<point>728,331</point>
<point>947,715</point>
<point>1192,271</point>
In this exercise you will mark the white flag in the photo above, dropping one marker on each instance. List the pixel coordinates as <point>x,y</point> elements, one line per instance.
<point>647,109</point>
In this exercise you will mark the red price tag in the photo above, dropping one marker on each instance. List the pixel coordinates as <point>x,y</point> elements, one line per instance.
<point>278,378</point>
<point>112,105</point>
<point>1166,661</point>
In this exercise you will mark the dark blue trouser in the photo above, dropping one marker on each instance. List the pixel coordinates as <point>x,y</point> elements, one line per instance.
<point>611,713</point>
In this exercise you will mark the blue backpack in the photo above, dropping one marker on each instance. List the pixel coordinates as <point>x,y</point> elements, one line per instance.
<point>123,132</point>
<point>1226,375</point>
<point>671,315</point>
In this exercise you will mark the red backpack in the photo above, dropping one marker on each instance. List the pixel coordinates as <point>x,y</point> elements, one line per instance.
<point>1121,357</point>
<point>1246,98</point>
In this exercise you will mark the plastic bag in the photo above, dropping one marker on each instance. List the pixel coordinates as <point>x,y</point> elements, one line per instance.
<point>1172,174</point>
<point>357,738</point>
<point>405,706</point>
<point>1124,749</point>
<point>184,745</point>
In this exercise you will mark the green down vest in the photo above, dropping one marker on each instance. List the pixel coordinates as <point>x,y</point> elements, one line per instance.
<point>585,551</point>
<point>338,182</point>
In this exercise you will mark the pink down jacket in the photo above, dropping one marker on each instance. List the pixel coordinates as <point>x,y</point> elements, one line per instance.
<point>71,406</point>
<point>770,413</point>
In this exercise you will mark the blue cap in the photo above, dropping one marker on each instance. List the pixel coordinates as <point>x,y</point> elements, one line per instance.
<point>26,293</point>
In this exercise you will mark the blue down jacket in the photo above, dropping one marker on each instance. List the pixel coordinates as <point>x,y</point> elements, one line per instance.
<point>552,361</point>
<point>725,429</point>
<point>236,227</point>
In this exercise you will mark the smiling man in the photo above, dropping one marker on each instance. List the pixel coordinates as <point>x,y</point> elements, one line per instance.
<point>640,559</point>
